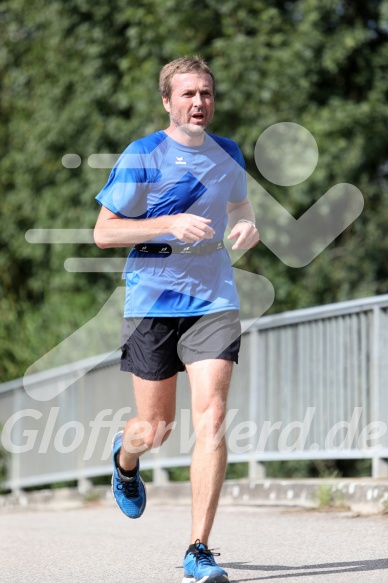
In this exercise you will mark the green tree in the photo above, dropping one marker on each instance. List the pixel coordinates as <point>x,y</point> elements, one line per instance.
<point>81,77</point>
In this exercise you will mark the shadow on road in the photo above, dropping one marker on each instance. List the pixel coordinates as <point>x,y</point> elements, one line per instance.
<point>308,570</point>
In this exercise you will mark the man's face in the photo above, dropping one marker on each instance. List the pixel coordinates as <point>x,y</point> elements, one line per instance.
<point>191,105</point>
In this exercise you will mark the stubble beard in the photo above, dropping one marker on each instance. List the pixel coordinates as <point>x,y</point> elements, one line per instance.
<point>190,129</point>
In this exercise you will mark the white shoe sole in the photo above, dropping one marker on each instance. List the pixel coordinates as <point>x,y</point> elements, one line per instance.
<point>220,579</point>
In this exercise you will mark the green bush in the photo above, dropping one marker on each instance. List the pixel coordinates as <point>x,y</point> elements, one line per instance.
<point>4,455</point>
<point>318,469</point>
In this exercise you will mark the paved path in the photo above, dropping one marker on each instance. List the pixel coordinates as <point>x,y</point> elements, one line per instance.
<point>100,545</point>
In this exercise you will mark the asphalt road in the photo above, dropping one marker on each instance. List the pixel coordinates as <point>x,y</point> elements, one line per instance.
<point>100,545</point>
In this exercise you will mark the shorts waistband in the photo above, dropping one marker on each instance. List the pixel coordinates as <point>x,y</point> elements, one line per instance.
<point>166,249</point>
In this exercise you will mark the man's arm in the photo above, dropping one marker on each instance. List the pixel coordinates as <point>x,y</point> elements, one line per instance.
<point>245,231</point>
<point>111,230</point>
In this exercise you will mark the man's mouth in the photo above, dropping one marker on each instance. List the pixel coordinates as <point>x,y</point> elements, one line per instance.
<point>198,116</point>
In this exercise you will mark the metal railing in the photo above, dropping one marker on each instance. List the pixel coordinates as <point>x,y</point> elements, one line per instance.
<point>310,384</point>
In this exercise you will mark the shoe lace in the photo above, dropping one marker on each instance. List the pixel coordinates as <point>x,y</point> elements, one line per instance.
<point>130,488</point>
<point>205,556</point>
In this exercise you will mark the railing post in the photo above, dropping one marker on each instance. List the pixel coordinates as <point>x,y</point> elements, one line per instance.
<point>379,465</point>
<point>15,469</point>
<point>256,401</point>
<point>379,468</point>
<point>84,485</point>
<point>256,470</point>
<point>160,476</point>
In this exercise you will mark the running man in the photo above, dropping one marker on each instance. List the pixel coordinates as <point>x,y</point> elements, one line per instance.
<point>170,197</point>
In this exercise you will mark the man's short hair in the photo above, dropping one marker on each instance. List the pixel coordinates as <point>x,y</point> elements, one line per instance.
<point>193,64</point>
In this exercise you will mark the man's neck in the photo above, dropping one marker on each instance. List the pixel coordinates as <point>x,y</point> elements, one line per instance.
<point>185,138</point>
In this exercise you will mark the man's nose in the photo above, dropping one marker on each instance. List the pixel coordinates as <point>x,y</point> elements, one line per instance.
<point>197,99</point>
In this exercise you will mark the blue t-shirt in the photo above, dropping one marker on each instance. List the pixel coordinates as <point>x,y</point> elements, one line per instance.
<point>158,176</point>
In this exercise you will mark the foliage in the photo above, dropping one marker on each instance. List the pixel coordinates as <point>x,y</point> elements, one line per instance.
<point>81,77</point>
<point>4,456</point>
<point>328,496</point>
<point>179,474</point>
<point>237,471</point>
<point>318,469</point>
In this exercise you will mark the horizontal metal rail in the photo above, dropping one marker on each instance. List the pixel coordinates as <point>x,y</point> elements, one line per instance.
<point>311,384</point>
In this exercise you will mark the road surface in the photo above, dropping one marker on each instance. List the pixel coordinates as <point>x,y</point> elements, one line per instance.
<point>101,545</point>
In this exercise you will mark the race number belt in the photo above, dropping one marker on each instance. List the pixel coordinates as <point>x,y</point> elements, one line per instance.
<point>166,249</point>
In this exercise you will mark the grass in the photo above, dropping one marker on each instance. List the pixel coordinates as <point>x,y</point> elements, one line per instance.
<point>330,497</point>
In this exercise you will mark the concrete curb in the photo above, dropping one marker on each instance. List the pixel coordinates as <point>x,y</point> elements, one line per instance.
<point>360,496</point>
<point>363,496</point>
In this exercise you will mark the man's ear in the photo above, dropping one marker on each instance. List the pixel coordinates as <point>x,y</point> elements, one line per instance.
<point>166,104</point>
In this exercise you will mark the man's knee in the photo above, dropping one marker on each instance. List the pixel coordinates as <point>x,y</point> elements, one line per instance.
<point>152,433</point>
<point>159,433</point>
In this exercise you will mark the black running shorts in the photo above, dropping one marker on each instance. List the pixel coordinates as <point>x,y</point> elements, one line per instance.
<point>157,348</point>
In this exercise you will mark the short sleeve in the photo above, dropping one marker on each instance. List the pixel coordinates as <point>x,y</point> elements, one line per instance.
<point>125,193</point>
<point>239,190</point>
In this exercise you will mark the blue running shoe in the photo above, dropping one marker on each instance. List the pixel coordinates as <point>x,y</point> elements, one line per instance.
<point>130,493</point>
<point>200,567</point>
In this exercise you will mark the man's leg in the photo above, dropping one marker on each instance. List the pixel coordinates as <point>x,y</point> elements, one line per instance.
<point>209,381</point>
<point>155,403</point>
